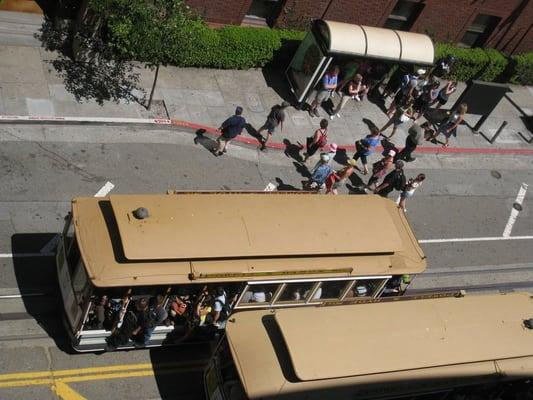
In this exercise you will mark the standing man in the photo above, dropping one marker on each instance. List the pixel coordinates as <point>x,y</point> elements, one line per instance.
<point>416,134</point>
<point>327,87</point>
<point>393,180</point>
<point>275,118</point>
<point>230,128</point>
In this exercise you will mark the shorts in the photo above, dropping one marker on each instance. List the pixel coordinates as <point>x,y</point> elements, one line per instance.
<point>269,128</point>
<point>322,96</point>
<point>406,195</point>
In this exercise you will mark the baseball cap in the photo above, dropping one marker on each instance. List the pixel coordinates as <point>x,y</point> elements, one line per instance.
<point>352,162</point>
<point>324,157</point>
<point>391,153</point>
<point>421,71</point>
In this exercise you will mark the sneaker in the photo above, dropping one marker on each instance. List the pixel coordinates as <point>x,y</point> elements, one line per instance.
<point>316,113</point>
<point>220,153</point>
<point>263,147</point>
<point>338,115</point>
<point>357,98</point>
<point>224,151</point>
<point>311,114</point>
<point>332,116</point>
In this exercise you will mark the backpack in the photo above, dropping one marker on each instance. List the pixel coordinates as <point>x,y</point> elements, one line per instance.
<point>225,312</point>
<point>400,181</point>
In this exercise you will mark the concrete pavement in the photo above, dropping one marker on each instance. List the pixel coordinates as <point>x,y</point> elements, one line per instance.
<point>30,86</point>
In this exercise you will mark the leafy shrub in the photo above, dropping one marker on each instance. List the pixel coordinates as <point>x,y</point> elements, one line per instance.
<point>522,69</point>
<point>496,65</point>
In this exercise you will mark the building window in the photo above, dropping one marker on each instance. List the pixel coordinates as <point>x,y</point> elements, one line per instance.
<point>262,12</point>
<point>404,15</point>
<point>479,31</point>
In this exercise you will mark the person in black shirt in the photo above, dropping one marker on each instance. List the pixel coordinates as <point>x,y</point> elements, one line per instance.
<point>230,128</point>
<point>393,180</point>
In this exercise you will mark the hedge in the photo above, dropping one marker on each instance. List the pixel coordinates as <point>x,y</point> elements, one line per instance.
<point>237,47</point>
<point>522,69</point>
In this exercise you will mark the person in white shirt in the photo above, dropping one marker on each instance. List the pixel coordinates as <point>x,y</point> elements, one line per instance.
<point>412,185</point>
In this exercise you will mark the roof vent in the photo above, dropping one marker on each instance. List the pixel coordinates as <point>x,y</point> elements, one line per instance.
<point>141,213</point>
<point>528,323</point>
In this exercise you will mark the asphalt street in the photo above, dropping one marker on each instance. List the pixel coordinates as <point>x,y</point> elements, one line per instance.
<point>459,214</point>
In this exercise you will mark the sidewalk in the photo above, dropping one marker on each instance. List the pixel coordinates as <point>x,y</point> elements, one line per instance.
<point>29,86</point>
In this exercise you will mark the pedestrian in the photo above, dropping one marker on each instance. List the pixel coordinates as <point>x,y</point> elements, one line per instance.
<point>445,93</point>
<point>394,180</point>
<point>317,141</point>
<point>275,118</point>
<point>320,173</point>
<point>365,147</point>
<point>443,66</point>
<point>145,323</point>
<point>449,126</point>
<point>328,85</point>
<point>402,114</point>
<point>409,190</point>
<point>336,179</point>
<point>415,135</point>
<point>158,314</point>
<point>408,90</point>
<point>230,129</point>
<point>380,169</point>
<point>354,89</point>
<point>429,95</point>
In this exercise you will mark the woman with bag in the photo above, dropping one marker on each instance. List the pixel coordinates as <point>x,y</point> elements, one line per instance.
<point>380,169</point>
<point>318,140</point>
<point>449,126</point>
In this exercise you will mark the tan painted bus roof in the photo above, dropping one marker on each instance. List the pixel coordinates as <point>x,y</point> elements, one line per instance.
<point>355,341</point>
<point>240,232</point>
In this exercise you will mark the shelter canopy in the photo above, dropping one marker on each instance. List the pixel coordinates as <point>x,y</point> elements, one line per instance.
<point>380,43</point>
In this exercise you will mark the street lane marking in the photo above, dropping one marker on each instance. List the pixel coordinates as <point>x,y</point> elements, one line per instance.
<point>46,251</point>
<point>25,255</point>
<point>514,212</point>
<point>79,371</point>
<point>104,190</point>
<point>476,239</point>
<point>65,392</point>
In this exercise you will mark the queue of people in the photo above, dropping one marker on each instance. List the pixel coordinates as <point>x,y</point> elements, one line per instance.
<point>412,96</point>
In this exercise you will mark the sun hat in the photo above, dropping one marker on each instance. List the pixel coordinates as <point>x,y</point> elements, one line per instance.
<point>352,162</point>
<point>324,157</point>
<point>333,147</point>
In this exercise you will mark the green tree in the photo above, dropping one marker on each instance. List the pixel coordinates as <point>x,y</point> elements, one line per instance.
<point>149,31</point>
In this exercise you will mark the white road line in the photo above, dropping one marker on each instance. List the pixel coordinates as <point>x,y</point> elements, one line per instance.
<point>476,239</point>
<point>25,255</point>
<point>514,212</point>
<point>104,190</point>
<point>46,251</point>
<point>270,187</point>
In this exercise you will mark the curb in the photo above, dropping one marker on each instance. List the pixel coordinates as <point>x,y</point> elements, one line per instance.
<point>200,129</point>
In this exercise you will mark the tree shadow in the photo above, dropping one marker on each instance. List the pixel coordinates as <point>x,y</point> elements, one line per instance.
<point>37,282</point>
<point>206,142</point>
<point>92,71</point>
<point>275,79</point>
<point>285,187</point>
<point>292,150</point>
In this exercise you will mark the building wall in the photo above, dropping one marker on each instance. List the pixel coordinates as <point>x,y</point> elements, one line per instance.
<point>443,20</point>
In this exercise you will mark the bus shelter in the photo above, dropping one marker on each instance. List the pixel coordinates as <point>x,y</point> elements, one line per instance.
<point>329,40</point>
